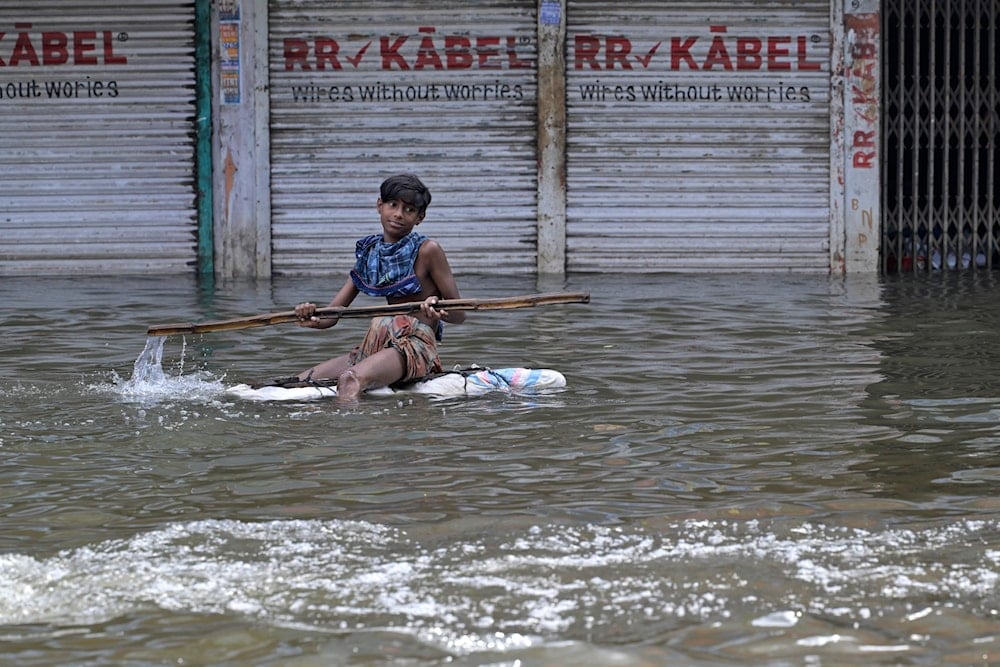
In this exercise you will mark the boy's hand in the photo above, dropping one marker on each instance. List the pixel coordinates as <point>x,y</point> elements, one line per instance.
<point>428,309</point>
<point>306,312</point>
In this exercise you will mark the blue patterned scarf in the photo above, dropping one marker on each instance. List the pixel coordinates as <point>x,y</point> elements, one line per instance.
<point>386,269</point>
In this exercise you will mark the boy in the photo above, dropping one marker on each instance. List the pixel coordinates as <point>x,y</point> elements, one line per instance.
<point>403,266</point>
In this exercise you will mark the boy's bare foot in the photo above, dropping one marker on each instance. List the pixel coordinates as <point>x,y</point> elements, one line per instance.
<point>348,389</point>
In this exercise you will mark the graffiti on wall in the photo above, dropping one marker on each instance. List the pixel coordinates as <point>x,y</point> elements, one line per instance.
<point>723,61</point>
<point>401,68</point>
<point>388,55</point>
<point>25,51</point>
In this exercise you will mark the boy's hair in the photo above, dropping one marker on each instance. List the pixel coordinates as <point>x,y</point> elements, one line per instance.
<point>408,188</point>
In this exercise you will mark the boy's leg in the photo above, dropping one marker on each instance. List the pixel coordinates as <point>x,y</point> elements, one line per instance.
<point>378,370</point>
<point>327,370</point>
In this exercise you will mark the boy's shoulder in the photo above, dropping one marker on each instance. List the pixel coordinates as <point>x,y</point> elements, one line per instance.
<point>429,245</point>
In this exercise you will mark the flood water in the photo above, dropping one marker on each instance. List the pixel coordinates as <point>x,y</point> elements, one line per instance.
<point>767,470</point>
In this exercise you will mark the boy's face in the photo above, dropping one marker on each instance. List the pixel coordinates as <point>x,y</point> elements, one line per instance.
<point>398,218</point>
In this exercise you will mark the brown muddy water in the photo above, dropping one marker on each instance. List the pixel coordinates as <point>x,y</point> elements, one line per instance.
<point>744,470</point>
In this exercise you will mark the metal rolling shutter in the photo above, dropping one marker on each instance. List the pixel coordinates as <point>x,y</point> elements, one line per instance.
<point>96,130</point>
<point>362,90</point>
<point>689,147</point>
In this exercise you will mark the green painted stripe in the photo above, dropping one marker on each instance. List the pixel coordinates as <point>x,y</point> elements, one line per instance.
<point>203,135</point>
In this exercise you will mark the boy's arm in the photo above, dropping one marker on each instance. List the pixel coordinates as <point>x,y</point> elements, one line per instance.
<point>344,297</point>
<point>440,271</point>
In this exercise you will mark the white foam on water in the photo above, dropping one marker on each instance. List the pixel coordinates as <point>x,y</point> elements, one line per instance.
<point>483,595</point>
<point>778,619</point>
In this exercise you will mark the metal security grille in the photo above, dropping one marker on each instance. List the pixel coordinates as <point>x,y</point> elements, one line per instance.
<point>941,187</point>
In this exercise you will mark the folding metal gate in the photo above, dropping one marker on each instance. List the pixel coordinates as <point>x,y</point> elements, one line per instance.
<point>941,190</point>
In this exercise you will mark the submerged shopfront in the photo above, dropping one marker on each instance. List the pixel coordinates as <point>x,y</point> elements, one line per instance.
<point>249,138</point>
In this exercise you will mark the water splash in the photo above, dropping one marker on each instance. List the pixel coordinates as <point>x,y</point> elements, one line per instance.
<point>148,367</point>
<point>150,383</point>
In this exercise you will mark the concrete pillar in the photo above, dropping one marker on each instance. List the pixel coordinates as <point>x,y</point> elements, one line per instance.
<point>241,152</point>
<point>551,137</point>
<point>862,136</point>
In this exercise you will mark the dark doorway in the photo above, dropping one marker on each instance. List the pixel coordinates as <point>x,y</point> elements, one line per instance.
<point>941,189</point>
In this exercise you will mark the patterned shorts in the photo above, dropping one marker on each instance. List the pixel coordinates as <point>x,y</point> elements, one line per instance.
<point>411,337</point>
